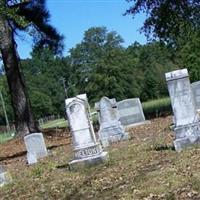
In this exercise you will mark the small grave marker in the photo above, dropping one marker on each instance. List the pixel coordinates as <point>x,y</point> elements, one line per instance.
<point>35,146</point>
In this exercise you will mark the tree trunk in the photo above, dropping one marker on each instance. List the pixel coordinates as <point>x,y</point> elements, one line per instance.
<point>24,120</point>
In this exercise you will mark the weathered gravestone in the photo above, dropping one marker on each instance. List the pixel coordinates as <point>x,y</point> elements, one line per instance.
<point>111,129</point>
<point>196,93</point>
<point>35,146</point>
<point>187,126</point>
<point>4,176</point>
<point>86,148</point>
<point>131,112</point>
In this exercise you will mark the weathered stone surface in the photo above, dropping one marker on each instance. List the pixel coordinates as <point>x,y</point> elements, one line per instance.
<point>196,93</point>
<point>5,177</point>
<point>111,129</point>
<point>187,125</point>
<point>35,146</point>
<point>86,148</point>
<point>181,97</point>
<point>131,112</point>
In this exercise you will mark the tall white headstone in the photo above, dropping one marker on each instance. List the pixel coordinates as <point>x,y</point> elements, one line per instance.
<point>35,146</point>
<point>111,129</point>
<point>86,148</point>
<point>187,127</point>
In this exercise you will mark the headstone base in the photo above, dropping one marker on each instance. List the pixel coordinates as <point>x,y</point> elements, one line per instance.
<point>89,161</point>
<point>112,134</point>
<point>127,127</point>
<point>187,136</point>
<point>183,143</point>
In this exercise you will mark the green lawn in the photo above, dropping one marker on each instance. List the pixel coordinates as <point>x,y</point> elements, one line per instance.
<point>137,170</point>
<point>55,123</point>
<point>5,136</point>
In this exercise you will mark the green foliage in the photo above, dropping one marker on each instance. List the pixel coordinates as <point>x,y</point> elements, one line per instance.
<point>188,55</point>
<point>7,101</point>
<point>104,68</point>
<point>98,66</point>
<point>151,62</point>
<point>5,137</point>
<point>43,73</point>
<point>41,104</point>
<point>167,19</point>
<point>101,66</point>
<point>157,108</point>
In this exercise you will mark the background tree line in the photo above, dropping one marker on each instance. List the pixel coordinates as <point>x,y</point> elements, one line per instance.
<point>101,66</point>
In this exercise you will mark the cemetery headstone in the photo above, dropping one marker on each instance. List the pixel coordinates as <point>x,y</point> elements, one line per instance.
<point>187,126</point>
<point>111,129</point>
<point>4,176</point>
<point>196,93</point>
<point>85,146</point>
<point>131,112</point>
<point>35,146</point>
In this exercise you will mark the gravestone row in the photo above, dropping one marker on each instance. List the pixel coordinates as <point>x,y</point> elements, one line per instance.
<point>87,148</point>
<point>114,116</point>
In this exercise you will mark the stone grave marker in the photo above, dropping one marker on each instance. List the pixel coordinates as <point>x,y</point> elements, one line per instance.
<point>111,129</point>
<point>187,126</point>
<point>4,176</point>
<point>35,146</point>
<point>85,146</point>
<point>196,93</point>
<point>131,112</point>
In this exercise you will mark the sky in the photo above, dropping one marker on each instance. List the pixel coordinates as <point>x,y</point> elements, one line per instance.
<point>73,17</point>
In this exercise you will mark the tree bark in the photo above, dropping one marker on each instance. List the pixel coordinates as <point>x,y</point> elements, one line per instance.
<point>24,120</point>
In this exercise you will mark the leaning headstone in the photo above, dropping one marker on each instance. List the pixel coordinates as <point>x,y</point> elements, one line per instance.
<point>196,93</point>
<point>131,112</point>
<point>4,176</point>
<point>111,129</point>
<point>35,146</point>
<point>187,126</point>
<point>85,146</point>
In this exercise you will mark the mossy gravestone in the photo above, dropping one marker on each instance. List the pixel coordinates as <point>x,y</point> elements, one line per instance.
<point>187,125</point>
<point>87,150</point>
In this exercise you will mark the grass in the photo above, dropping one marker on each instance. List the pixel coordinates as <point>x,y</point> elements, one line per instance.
<point>157,108</point>
<point>55,123</point>
<point>136,170</point>
<point>61,123</point>
<point>5,136</point>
